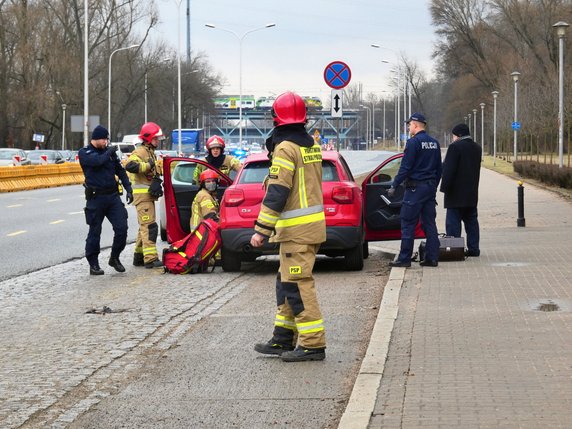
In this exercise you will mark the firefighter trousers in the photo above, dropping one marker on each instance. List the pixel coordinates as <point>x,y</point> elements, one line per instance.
<point>298,318</point>
<point>146,242</point>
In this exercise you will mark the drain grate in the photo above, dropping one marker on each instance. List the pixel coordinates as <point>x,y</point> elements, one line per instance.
<point>548,306</point>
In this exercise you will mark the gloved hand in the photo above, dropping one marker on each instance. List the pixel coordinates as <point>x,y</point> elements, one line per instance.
<point>151,163</point>
<point>112,149</point>
<point>391,192</point>
<point>129,197</point>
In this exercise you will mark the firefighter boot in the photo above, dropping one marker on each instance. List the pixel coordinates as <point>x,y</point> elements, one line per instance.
<point>272,348</point>
<point>138,260</point>
<point>154,264</point>
<point>301,354</point>
<point>116,263</point>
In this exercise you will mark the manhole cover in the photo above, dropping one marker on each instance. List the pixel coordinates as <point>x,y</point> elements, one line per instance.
<point>548,306</point>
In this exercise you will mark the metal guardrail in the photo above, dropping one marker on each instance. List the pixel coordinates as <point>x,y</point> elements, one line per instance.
<point>24,178</point>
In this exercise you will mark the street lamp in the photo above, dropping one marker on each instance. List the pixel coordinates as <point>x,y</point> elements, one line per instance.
<point>470,131</point>
<point>515,76</point>
<point>85,72</point>
<point>109,84</point>
<point>475,123</point>
<point>63,120</point>
<point>482,130</point>
<point>495,95</point>
<point>561,32</point>
<point>240,39</point>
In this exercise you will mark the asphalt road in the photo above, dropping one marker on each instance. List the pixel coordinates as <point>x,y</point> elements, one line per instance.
<point>45,227</point>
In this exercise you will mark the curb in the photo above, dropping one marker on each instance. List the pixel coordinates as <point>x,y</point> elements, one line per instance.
<point>364,394</point>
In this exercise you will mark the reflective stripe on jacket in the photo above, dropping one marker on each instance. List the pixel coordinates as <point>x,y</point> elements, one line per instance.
<point>203,204</point>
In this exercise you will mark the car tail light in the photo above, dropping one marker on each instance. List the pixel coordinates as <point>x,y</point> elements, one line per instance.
<point>342,194</point>
<point>234,197</point>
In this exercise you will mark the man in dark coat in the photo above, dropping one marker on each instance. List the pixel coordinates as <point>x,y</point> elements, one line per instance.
<point>460,184</point>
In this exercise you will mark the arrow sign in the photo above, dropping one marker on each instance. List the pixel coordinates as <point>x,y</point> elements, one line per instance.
<point>337,99</point>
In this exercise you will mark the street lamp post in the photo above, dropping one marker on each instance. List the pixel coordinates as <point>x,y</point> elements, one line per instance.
<point>470,131</point>
<point>561,32</point>
<point>367,122</point>
<point>240,39</point>
<point>372,124</point>
<point>85,72</point>
<point>109,84</point>
<point>495,95</point>
<point>64,106</point>
<point>482,130</point>
<point>475,123</point>
<point>515,76</point>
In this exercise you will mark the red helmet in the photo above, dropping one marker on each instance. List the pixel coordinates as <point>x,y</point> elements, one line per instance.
<point>149,131</point>
<point>289,108</point>
<point>207,174</point>
<point>215,141</point>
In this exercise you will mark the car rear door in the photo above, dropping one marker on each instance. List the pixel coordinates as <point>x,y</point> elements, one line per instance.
<point>381,212</point>
<point>180,191</point>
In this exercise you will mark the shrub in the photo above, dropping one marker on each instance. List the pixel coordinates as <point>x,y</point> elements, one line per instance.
<point>545,173</point>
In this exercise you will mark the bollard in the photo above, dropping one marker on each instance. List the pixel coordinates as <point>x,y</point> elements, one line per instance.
<point>520,221</point>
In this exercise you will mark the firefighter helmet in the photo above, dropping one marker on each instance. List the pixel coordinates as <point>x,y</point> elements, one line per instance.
<point>149,131</point>
<point>289,108</point>
<point>208,174</point>
<point>215,141</point>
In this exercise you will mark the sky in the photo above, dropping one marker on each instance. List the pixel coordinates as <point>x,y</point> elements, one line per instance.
<point>307,37</point>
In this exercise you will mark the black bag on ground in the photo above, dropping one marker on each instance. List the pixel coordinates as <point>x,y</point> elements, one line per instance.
<point>450,248</point>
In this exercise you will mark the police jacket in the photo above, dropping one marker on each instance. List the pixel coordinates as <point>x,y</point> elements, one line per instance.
<point>100,167</point>
<point>293,207</point>
<point>225,163</point>
<point>140,171</point>
<point>205,204</point>
<point>461,173</point>
<point>421,161</point>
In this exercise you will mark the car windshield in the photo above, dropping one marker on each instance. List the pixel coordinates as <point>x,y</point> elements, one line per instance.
<point>255,172</point>
<point>37,153</point>
<point>8,154</point>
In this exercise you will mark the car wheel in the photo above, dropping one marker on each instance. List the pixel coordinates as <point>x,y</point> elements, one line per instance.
<point>354,258</point>
<point>230,261</point>
<point>163,234</point>
<point>365,249</point>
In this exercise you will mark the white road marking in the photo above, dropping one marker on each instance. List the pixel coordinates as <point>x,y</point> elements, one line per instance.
<point>54,200</point>
<point>12,234</point>
<point>74,213</point>
<point>56,222</point>
<point>15,205</point>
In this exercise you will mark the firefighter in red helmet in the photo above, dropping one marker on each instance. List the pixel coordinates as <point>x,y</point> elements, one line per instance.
<point>205,204</point>
<point>145,172</point>
<point>292,214</point>
<point>217,158</point>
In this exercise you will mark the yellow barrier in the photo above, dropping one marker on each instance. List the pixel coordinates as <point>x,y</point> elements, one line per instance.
<point>28,177</point>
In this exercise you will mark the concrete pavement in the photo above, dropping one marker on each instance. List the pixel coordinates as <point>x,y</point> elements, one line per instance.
<point>471,344</point>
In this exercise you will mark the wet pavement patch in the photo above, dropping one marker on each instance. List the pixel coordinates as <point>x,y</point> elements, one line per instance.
<point>105,310</point>
<point>548,306</point>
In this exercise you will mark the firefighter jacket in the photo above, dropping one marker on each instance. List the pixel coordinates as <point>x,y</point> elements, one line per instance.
<point>293,207</point>
<point>204,205</point>
<point>225,163</point>
<point>141,173</point>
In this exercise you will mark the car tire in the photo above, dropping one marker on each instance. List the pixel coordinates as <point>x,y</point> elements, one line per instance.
<point>230,261</point>
<point>353,258</point>
<point>365,249</point>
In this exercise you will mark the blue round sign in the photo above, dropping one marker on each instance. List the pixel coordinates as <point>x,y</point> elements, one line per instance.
<point>337,74</point>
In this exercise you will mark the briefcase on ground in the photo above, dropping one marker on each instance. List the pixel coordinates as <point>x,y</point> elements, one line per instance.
<point>450,249</point>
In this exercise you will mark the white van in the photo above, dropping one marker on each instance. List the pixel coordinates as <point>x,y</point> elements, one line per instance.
<point>131,139</point>
<point>125,149</point>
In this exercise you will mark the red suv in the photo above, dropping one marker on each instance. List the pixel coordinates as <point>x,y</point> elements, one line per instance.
<point>354,215</point>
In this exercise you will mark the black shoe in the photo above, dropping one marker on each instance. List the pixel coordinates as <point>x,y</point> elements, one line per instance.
<point>116,263</point>
<point>428,263</point>
<point>472,252</point>
<point>95,270</point>
<point>271,348</point>
<point>138,260</point>
<point>154,264</point>
<point>399,264</point>
<point>301,354</point>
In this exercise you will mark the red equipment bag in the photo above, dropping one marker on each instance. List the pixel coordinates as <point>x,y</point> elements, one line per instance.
<point>193,253</point>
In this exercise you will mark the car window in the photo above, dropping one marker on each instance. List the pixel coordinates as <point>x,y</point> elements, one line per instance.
<point>329,172</point>
<point>8,154</point>
<point>184,172</point>
<point>255,172</point>
<point>387,173</point>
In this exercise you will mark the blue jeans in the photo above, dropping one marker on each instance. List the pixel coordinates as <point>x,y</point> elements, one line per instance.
<point>469,216</point>
<point>419,202</point>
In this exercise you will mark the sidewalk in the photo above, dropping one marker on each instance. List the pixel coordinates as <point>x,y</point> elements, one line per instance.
<point>467,344</point>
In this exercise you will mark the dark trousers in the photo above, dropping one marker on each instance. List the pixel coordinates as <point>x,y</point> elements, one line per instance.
<point>469,217</point>
<point>419,202</point>
<point>96,209</point>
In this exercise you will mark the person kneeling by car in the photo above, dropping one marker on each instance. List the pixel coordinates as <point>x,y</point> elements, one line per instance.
<point>205,205</point>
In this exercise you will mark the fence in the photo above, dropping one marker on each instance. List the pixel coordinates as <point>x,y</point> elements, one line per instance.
<point>28,177</point>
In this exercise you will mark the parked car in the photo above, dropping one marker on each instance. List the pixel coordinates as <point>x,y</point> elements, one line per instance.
<point>354,215</point>
<point>68,155</point>
<point>53,156</point>
<point>162,153</point>
<point>7,156</point>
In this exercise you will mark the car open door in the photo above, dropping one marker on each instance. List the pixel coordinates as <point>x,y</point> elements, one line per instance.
<point>180,191</point>
<point>381,212</point>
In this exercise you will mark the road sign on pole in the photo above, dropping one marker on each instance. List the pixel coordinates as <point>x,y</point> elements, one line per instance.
<point>337,101</point>
<point>337,74</point>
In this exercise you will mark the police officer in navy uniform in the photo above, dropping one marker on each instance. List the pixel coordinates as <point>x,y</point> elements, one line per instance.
<point>100,166</point>
<point>420,172</point>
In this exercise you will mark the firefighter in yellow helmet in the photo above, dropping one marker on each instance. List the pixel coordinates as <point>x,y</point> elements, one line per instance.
<point>217,158</point>
<point>205,204</point>
<point>292,214</point>
<point>145,172</point>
